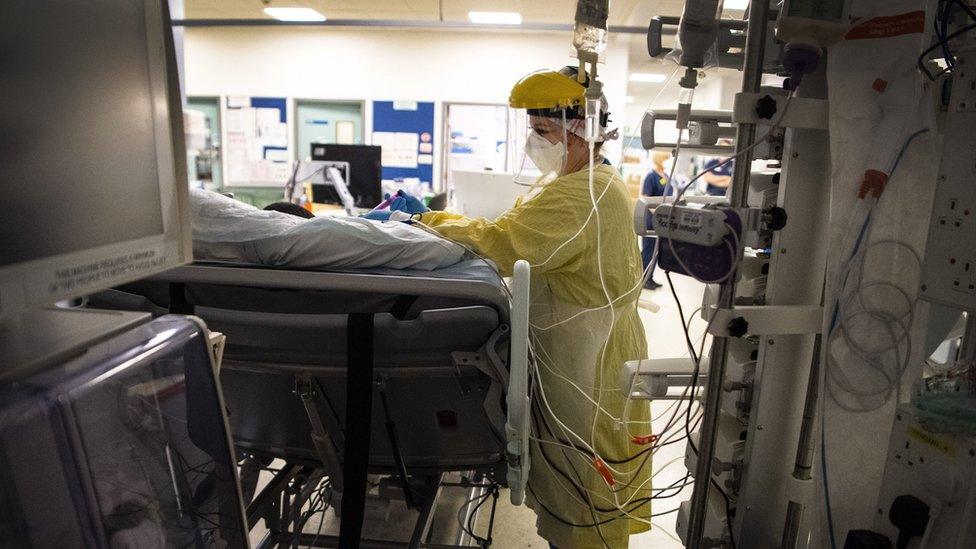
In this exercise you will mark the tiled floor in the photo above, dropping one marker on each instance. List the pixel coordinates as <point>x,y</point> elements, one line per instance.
<point>515,526</point>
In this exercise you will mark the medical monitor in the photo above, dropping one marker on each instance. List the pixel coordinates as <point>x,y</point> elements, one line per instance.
<point>365,172</point>
<point>92,161</point>
<point>124,446</point>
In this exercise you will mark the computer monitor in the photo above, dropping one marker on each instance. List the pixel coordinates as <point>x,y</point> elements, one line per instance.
<point>365,173</point>
<point>92,160</point>
<point>124,446</point>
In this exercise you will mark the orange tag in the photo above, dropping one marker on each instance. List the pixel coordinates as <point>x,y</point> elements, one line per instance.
<point>886,27</point>
<point>644,439</point>
<point>601,468</point>
<point>873,183</point>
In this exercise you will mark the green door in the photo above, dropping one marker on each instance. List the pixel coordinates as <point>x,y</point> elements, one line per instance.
<point>326,122</point>
<point>209,160</point>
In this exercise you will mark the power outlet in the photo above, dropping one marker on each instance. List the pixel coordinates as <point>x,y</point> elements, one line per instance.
<point>964,92</point>
<point>949,263</point>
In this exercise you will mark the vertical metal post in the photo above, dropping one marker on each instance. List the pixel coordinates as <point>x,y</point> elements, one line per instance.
<point>745,135</point>
<point>967,352</point>
<point>804,450</point>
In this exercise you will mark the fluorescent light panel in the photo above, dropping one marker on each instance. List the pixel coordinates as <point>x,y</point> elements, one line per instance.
<point>294,14</point>
<point>650,77</point>
<point>495,17</point>
<point>735,4</point>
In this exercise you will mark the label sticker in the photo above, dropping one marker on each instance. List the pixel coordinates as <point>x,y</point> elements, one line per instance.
<point>886,27</point>
<point>931,440</point>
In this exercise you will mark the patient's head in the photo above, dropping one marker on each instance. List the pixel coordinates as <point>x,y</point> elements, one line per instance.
<point>289,208</point>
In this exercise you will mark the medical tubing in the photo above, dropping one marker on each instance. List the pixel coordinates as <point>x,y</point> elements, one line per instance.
<point>862,235</point>
<point>562,426</point>
<point>618,505</point>
<point>610,302</point>
<point>606,293</point>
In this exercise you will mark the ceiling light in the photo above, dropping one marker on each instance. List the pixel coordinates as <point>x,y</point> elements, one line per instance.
<point>736,4</point>
<point>628,99</point>
<point>294,14</point>
<point>495,17</point>
<point>652,77</point>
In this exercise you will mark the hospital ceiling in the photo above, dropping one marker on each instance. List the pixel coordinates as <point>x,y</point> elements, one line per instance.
<point>622,12</point>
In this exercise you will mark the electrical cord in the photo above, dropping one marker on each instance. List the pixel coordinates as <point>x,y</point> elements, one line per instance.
<point>941,25</point>
<point>694,385</point>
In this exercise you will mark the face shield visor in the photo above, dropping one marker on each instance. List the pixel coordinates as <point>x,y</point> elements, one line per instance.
<point>553,143</point>
<point>541,143</point>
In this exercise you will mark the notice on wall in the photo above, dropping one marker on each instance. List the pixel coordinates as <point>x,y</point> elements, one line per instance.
<point>399,149</point>
<point>257,142</point>
<point>345,132</point>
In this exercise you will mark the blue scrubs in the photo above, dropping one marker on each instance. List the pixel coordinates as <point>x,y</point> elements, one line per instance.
<point>726,170</point>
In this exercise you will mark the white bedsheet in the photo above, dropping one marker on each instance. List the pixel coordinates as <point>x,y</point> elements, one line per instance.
<point>227,230</point>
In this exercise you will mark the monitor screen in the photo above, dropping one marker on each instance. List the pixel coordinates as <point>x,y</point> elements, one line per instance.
<point>89,152</point>
<point>125,447</point>
<point>365,172</point>
<point>68,158</point>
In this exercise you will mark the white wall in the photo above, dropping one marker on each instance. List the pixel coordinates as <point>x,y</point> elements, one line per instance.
<point>375,63</point>
<point>382,64</point>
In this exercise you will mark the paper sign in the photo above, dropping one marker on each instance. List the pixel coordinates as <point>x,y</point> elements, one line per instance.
<point>404,105</point>
<point>345,132</point>
<point>276,155</point>
<point>425,159</point>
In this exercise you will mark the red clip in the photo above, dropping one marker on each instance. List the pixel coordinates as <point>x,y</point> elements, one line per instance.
<point>644,439</point>
<point>879,85</point>
<point>601,468</point>
<point>873,183</point>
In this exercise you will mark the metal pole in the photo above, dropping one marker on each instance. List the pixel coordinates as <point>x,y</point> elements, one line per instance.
<point>745,135</point>
<point>804,449</point>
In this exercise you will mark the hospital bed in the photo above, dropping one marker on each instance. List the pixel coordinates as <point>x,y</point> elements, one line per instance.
<point>396,373</point>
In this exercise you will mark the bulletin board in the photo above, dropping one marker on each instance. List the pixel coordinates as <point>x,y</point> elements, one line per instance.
<point>256,147</point>
<point>405,130</point>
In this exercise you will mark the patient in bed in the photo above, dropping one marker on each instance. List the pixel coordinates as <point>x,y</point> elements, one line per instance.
<point>230,231</point>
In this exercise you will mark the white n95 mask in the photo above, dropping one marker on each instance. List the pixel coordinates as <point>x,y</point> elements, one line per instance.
<point>546,156</point>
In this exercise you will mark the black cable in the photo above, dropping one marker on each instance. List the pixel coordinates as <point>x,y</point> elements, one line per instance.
<point>943,42</point>
<point>637,503</point>
<point>694,385</point>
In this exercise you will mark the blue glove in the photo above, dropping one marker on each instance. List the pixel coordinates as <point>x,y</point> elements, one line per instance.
<point>409,204</point>
<point>378,215</point>
<point>399,203</point>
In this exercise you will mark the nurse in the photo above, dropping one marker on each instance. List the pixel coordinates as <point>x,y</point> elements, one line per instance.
<point>588,484</point>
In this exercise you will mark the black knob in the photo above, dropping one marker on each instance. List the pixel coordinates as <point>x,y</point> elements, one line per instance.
<point>738,327</point>
<point>777,218</point>
<point>765,107</point>
<point>866,539</point>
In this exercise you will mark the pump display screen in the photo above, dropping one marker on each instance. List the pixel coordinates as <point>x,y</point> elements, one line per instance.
<point>78,145</point>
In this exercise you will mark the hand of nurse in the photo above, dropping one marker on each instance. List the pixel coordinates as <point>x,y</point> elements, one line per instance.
<point>378,215</point>
<point>409,204</point>
<point>384,215</point>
